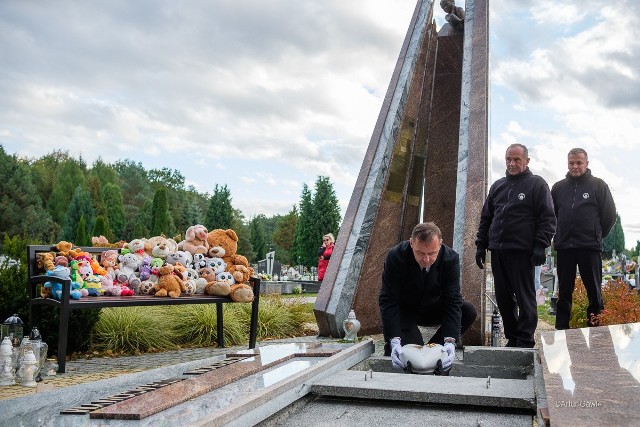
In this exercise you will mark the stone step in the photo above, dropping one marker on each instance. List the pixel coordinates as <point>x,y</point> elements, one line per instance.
<point>485,392</point>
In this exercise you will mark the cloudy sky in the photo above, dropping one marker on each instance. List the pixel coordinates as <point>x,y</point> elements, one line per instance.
<point>266,96</point>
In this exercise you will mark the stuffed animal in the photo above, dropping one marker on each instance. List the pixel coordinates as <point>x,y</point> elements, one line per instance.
<point>214,286</point>
<point>241,271</point>
<point>168,283</point>
<point>74,272</point>
<point>46,261</point>
<point>199,282</point>
<point>241,292</point>
<point>160,246</point>
<point>61,260</point>
<point>99,242</point>
<point>56,288</point>
<point>223,244</point>
<point>109,261</point>
<point>144,270</point>
<point>129,264</point>
<point>199,261</point>
<point>217,264</point>
<point>179,257</point>
<point>195,241</point>
<point>138,247</point>
<point>65,249</point>
<point>93,286</point>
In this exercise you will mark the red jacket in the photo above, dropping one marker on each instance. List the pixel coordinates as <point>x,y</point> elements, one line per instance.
<point>323,263</point>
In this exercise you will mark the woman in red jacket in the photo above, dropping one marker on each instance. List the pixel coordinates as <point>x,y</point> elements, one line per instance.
<point>324,254</point>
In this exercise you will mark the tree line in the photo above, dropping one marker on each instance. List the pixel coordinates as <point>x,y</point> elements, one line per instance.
<point>58,197</point>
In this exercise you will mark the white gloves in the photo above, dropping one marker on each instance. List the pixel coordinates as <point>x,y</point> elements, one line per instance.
<point>448,354</point>
<point>396,351</point>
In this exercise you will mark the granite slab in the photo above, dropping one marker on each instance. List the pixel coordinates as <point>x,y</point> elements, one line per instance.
<point>592,375</point>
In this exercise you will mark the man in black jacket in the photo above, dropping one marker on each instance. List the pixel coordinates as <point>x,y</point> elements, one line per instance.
<point>586,214</point>
<point>516,224</point>
<point>421,286</point>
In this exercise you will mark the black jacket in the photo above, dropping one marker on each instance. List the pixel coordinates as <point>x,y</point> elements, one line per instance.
<point>517,214</point>
<point>585,210</point>
<point>405,294</point>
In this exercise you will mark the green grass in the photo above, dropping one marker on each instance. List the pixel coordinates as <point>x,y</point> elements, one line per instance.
<point>309,295</point>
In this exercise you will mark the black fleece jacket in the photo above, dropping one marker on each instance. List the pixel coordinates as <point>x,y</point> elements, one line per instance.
<point>585,210</point>
<point>517,214</point>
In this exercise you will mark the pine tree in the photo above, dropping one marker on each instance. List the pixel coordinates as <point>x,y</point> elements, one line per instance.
<point>306,243</point>
<point>258,241</point>
<point>21,210</point>
<point>326,210</point>
<point>70,177</point>
<point>81,238</point>
<point>615,239</point>
<point>220,212</point>
<point>101,228</point>
<point>284,236</point>
<point>115,215</point>
<point>80,206</point>
<point>244,237</point>
<point>161,222</point>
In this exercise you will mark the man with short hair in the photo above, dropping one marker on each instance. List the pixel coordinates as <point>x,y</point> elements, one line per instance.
<point>586,214</point>
<point>421,286</point>
<point>516,224</point>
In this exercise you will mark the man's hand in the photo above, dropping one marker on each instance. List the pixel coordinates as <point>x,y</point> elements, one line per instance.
<point>448,354</point>
<point>396,351</point>
<point>480,257</point>
<point>538,256</point>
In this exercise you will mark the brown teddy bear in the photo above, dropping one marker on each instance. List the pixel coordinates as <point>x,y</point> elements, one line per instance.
<point>241,292</point>
<point>195,240</point>
<point>241,271</point>
<point>223,244</point>
<point>46,260</point>
<point>168,283</point>
<point>66,249</point>
<point>214,286</point>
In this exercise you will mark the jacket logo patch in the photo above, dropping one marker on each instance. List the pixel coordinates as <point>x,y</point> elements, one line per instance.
<point>585,195</point>
<point>521,196</point>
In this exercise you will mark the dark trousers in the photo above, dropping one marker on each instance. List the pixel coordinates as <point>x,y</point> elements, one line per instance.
<point>410,334</point>
<point>513,281</point>
<point>590,264</point>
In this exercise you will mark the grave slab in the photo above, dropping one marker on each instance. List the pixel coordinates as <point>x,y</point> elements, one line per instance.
<point>592,375</point>
<point>493,392</point>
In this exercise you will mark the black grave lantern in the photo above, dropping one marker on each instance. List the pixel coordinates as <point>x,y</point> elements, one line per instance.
<point>13,328</point>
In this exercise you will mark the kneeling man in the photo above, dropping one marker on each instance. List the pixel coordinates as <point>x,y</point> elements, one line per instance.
<point>421,286</point>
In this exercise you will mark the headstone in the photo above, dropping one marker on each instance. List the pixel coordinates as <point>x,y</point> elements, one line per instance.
<point>428,152</point>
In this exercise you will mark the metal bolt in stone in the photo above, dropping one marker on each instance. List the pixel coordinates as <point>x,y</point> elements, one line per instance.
<point>489,381</point>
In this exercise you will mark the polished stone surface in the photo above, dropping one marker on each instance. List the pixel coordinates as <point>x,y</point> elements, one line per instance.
<point>472,166</point>
<point>592,375</point>
<point>335,298</point>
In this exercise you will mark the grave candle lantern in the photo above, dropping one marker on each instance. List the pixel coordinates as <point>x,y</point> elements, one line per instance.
<point>13,328</point>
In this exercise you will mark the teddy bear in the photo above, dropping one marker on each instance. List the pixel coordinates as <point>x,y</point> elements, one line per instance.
<point>199,261</point>
<point>138,247</point>
<point>214,286</point>
<point>126,273</point>
<point>223,244</point>
<point>65,249</point>
<point>109,261</point>
<point>241,271</point>
<point>217,264</point>
<point>241,292</point>
<point>195,241</point>
<point>61,260</point>
<point>144,270</point>
<point>160,246</point>
<point>168,283</point>
<point>46,261</point>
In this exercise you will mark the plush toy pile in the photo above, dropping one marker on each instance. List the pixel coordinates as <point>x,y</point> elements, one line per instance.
<point>205,262</point>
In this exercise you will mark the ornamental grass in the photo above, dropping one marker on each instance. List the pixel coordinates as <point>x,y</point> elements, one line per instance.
<point>138,330</point>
